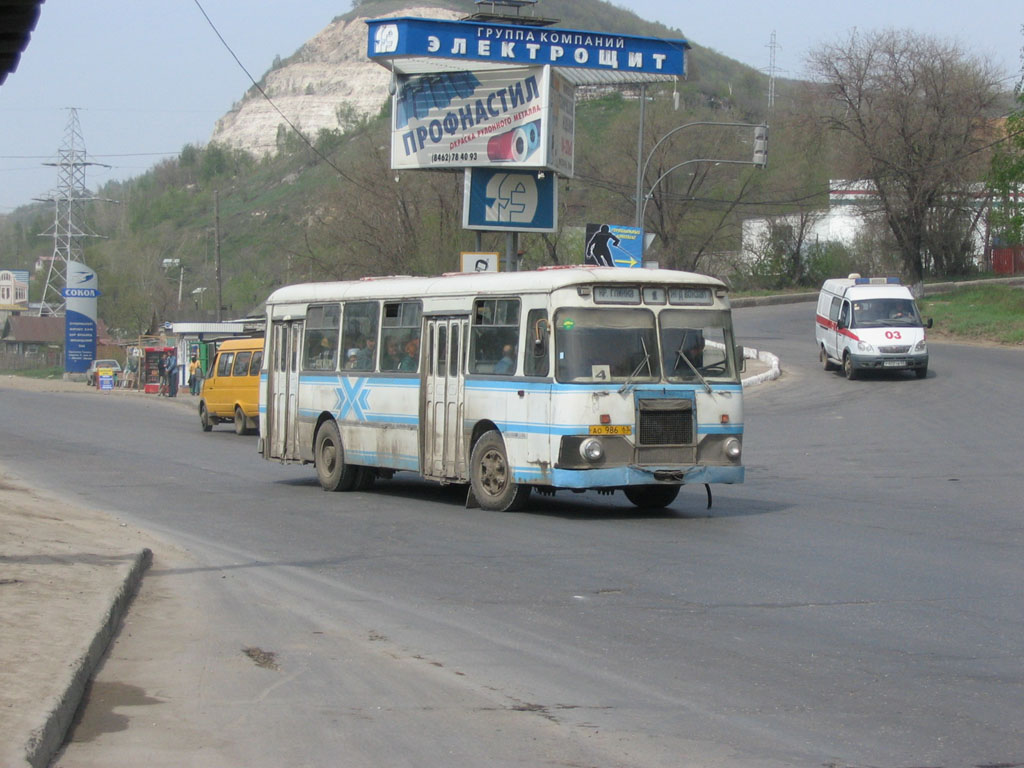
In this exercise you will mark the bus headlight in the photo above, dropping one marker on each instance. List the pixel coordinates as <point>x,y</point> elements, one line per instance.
<point>921,346</point>
<point>592,450</point>
<point>733,449</point>
<point>863,346</point>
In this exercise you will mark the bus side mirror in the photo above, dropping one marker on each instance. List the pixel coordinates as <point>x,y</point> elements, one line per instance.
<point>540,329</point>
<point>928,324</point>
<point>741,361</point>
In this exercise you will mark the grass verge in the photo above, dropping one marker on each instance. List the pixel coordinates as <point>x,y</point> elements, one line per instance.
<point>992,313</point>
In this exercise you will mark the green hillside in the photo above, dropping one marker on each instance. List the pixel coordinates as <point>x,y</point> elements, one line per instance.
<point>330,207</point>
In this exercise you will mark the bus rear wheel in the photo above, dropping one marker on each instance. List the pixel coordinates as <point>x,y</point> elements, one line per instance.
<point>329,456</point>
<point>204,418</point>
<point>491,477</point>
<point>652,496</point>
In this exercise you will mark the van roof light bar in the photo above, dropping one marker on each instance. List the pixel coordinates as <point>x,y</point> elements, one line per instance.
<point>876,281</point>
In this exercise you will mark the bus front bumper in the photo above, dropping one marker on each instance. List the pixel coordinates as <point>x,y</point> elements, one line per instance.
<point>619,477</point>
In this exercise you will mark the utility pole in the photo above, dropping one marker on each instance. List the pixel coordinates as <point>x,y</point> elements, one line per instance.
<point>216,249</point>
<point>67,231</point>
<point>772,46</point>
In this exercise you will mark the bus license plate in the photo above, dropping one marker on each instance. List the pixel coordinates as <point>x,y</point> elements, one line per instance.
<point>894,363</point>
<point>611,429</point>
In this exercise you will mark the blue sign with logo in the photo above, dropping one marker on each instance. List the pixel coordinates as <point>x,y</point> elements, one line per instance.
<point>510,200</point>
<point>80,313</point>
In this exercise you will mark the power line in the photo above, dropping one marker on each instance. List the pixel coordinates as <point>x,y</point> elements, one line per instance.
<point>270,101</point>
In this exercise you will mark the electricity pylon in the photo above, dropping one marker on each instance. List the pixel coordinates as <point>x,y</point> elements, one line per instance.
<point>67,231</point>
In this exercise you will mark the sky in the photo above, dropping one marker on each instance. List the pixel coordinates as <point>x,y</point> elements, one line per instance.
<point>150,76</point>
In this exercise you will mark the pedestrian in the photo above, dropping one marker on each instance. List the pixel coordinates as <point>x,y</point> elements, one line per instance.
<point>172,374</point>
<point>195,375</point>
<point>161,368</point>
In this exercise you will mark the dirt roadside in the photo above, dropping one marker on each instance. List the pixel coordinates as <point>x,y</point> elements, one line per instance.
<point>67,575</point>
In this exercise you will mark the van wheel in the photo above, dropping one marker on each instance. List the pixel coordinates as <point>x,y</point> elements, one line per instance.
<point>826,364</point>
<point>921,372</point>
<point>329,455</point>
<point>204,418</point>
<point>848,370</point>
<point>651,496</point>
<point>491,477</point>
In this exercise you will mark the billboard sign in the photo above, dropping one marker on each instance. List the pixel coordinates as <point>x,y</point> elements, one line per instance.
<point>511,44</point>
<point>612,245</point>
<point>80,301</point>
<point>481,119</point>
<point>501,199</point>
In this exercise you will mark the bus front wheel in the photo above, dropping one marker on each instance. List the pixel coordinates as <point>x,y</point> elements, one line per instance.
<point>652,496</point>
<point>329,456</point>
<point>491,477</point>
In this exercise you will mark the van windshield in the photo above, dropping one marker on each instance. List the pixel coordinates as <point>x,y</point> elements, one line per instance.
<point>884,313</point>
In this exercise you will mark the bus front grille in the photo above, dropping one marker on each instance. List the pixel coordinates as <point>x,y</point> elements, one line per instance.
<point>665,422</point>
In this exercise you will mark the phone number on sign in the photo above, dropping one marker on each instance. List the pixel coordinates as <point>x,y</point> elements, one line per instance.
<point>453,157</point>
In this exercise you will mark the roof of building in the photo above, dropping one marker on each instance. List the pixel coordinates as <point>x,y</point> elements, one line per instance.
<point>34,330</point>
<point>17,20</point>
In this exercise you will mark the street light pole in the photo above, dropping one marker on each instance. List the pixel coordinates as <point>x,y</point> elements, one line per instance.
<point>760,160</point>
<point>639,154</point>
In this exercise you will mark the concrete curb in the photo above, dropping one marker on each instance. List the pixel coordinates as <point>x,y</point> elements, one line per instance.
<point>772,361</point>
<point>45,741</point>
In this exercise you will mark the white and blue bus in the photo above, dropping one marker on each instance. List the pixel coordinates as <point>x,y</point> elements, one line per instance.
<point>569,378</point>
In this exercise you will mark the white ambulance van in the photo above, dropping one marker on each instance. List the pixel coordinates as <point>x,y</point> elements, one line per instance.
<point>870,323</point>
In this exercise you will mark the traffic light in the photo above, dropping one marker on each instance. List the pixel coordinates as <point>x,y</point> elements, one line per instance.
<point>761,145</point>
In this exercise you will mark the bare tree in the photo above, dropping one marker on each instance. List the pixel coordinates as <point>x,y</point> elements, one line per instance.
<point>912,110</point>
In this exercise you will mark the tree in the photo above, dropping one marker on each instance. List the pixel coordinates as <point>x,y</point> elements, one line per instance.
<point>912,112</point>
<point>1006,177</point>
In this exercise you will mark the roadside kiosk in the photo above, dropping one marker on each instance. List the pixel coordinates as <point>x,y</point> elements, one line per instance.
<point>150,367</point>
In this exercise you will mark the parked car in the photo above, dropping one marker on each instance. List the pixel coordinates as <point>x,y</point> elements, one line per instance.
<point>96,365</point>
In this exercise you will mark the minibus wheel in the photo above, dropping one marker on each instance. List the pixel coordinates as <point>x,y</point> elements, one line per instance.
<point>491,477</point>
<point>241,423</point>
<point>329,456</point>
<point>652,496</point>
<point>204,418</point>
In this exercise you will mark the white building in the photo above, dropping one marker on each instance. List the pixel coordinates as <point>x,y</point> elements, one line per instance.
<point>842,222</point>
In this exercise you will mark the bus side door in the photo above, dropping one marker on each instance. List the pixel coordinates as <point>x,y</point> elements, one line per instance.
<point>283,389</point>
<point>442,439</point>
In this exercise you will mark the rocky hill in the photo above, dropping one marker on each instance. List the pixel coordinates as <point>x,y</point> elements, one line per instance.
<point>323,85</point>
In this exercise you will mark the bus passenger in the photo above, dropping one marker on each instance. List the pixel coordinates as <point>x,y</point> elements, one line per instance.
<point>507,365</point>
<point>410,361</point>
<point>392,356</point>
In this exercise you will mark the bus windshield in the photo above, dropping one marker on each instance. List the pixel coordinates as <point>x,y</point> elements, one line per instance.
<point>695,345</point>
<point>606,345</point>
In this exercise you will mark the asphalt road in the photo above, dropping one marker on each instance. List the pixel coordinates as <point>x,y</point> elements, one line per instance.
<point>856,602</point>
